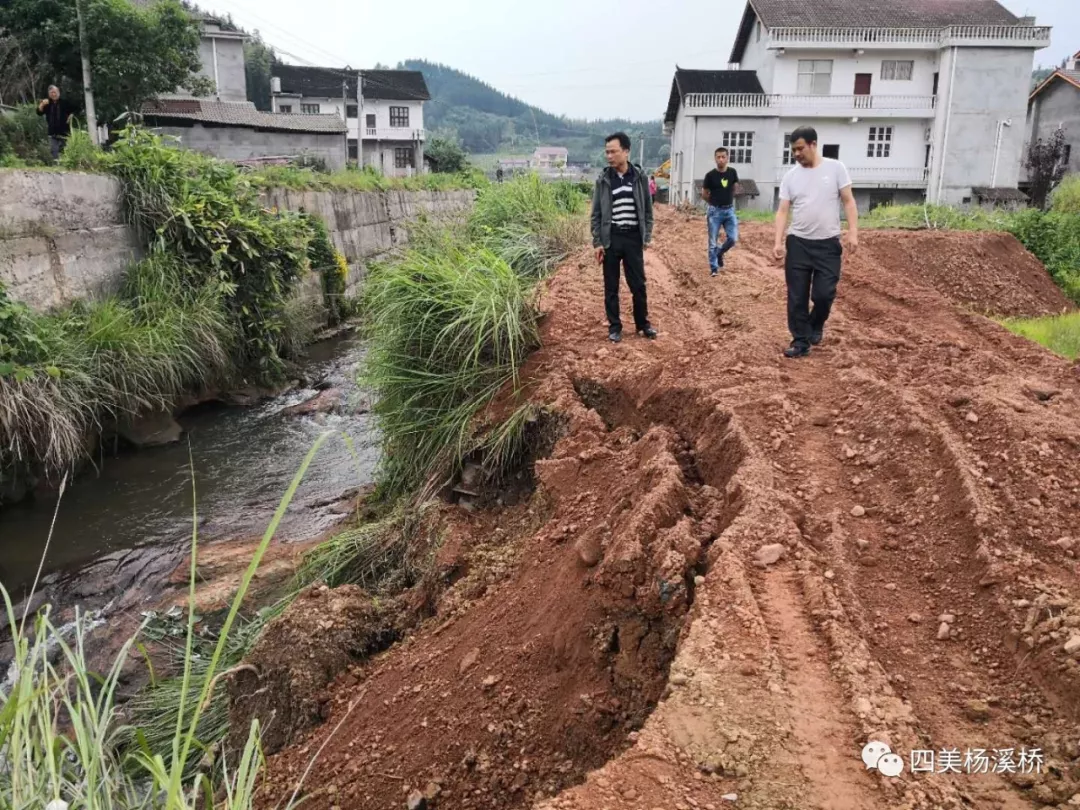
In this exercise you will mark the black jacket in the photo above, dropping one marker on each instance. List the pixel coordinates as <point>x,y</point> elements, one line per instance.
<point>57,114</point>
<point>602,206</point>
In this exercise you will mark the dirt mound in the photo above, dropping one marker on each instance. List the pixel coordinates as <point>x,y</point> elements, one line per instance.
<point>991,273</point>
<point>736,570</point>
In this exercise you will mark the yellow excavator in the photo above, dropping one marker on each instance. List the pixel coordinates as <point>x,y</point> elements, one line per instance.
<point>664,170</point>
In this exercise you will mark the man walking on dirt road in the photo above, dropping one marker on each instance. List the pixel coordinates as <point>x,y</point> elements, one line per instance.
<point>718,190</point>
<point>622,223</point>
<point>812,192</point>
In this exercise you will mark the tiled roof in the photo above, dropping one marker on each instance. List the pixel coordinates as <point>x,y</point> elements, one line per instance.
<point>998,194</point>
<point>322,82</point>
<point>868,14</point>
<point>875,14</point>
<point>395,85</point>
<point>1070,76</point>
<point>238,114</point>
<point>315,82</point>
<point>709,81</point>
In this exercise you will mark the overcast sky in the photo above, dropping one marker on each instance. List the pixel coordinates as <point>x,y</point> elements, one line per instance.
<point>584,58</point>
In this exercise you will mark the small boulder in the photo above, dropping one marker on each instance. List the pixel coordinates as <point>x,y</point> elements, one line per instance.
<point>770,555</point>
<point>416,801</point>
<point>150,430</point>
<point>977,711</point>
<point>1072,645</point>
<point>943,631</point>
<point>858,511</point>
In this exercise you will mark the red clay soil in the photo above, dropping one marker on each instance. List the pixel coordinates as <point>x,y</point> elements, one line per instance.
<point>737,569</point>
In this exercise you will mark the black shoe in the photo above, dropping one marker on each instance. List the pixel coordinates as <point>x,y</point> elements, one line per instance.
<point>714,272</point>
<point>816,337</point>
<point>648,332</point>
<point>796,350</point>
<point>615,335</point>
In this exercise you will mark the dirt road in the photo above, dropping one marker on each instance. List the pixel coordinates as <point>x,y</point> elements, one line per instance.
<point>736,569</point>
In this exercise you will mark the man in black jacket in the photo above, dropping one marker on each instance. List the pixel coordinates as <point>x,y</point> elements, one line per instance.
<point>58,115</point>
<point>622,222</point>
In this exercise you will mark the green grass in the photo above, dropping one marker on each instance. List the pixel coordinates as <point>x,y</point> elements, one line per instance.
<point>1066,197</point>
<point>1058,333</point>
<point>754,215</point>
<point>936,217</point>
<point>301,179</point>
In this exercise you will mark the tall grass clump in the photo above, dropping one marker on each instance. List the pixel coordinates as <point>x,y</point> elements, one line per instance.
<point>1054,237</point>
<point>936,218</point>
<point>63,373</point>
<point>446,328</point>
<point>367,179</point>
<point>530,223</point>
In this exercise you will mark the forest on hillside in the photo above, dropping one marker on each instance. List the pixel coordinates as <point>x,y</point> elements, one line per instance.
<point>486,120</point>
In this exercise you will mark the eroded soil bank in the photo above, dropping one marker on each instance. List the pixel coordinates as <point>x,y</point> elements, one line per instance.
<point>734,570</point>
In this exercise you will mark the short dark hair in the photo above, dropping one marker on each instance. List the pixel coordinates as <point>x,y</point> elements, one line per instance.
<point>808,134</point>
<point>621,137</point>
<point>720,149</point>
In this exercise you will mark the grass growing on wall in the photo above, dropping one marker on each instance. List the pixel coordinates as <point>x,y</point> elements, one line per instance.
<point>302,179</point>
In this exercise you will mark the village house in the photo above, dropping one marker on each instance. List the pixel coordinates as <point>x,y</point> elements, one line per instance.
<point>550,157</point>
<point>920,101</point>
<point>385,120</point>
<point>1055,104</point>
<point>225,124</point>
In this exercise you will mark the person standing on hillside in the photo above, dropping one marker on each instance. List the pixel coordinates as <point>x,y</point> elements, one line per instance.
<point>58,114</point>
<point>622,223</point>
<point>812,192</point>
<point>718,190</point>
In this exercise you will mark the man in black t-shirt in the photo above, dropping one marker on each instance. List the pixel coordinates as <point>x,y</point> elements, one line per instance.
<point>58,115</point>
<point>718,190</point>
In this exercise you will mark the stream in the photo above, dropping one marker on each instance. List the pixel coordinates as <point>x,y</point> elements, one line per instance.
<point>131,519</point>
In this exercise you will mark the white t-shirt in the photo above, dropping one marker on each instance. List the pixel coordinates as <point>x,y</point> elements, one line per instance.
<point>815,198</point>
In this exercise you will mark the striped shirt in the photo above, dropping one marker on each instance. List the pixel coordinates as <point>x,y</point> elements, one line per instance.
<point>624,213</point>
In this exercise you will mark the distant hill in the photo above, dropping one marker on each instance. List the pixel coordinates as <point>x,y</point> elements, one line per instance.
<point>488,121</point>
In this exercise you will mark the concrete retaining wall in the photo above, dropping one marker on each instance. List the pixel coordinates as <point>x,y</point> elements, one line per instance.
<point>63,236</point>
<point>367,225</point>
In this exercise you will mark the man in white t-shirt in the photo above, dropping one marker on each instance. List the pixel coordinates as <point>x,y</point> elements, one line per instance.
<point>812,192</point>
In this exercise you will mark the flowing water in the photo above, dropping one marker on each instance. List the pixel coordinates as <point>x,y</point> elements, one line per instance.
<point>138,506</point>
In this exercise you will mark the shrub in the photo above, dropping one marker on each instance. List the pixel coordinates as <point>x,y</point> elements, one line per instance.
<point>1066,198</point>
<point>24,137</point>
<point>80,154</point>
<point>1055,239</point>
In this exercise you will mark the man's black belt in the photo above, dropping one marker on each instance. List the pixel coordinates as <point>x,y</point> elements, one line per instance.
<point>624,228</point>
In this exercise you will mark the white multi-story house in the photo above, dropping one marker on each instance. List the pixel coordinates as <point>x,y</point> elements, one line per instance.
<point>921,100</point>
<point>385,120</point>
<point>550,157</point>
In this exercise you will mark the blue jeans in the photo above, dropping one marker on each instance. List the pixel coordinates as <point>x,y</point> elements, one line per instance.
<point>721,218</point>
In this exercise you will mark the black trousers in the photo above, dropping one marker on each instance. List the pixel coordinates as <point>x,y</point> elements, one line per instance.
<point>812,271</point>
<point>626,251</point>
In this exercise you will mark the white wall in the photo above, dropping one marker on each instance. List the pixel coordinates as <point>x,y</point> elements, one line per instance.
<point>757,56</point>
<point>846,65</point>
<point>381,109</point>
<point>908,141</point>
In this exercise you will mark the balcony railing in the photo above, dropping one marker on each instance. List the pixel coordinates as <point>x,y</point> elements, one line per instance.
<point>937,37</point>
<point>878,175</point>
<point>394,134</point>
<point>742,101</point>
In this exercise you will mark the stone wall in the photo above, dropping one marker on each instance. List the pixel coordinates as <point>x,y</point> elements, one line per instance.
<point>368,225</point>
<point>63,236</point>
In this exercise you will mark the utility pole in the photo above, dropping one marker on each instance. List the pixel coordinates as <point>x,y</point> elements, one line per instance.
<point>641,158</point>
<point>345,116</point>
<point>84,51</point>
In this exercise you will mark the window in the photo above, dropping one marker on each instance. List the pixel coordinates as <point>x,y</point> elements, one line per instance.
<point>788,158</point>
<point>815,77</point>
<point>880,199</point>
<point>284,108</point>
<point>740,146</point>
<point>897,70</point>
<point>831,150</point>
<point>399,116</point>
<point>880,143</point>
<point>403,156</point>
<point>309,109</point>
<point>370,120</point>
<point>354,149</point>
<point>352,110</point>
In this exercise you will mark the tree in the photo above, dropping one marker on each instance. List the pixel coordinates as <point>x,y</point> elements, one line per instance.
<point>1045,163</point>
<point>136,53</point>
<point>259,61</point>
<point>446,152</point>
